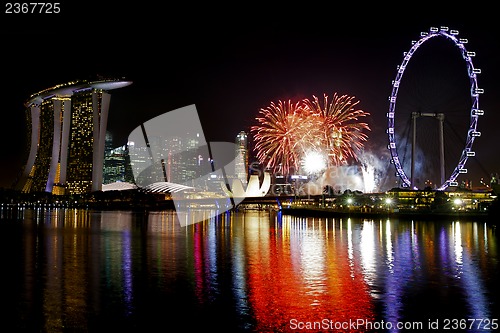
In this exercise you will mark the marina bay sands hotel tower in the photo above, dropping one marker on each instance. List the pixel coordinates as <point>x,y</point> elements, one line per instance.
<point>68,130</point>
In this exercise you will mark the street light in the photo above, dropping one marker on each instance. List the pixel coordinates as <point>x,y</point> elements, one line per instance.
<point>388,202</point>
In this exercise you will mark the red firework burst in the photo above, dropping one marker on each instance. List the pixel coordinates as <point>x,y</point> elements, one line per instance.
<point>278,134</point>
<point>287,130</point>
<point>341,129</point>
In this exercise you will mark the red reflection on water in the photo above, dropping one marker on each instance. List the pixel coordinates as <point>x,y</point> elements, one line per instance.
<point>295,281</point>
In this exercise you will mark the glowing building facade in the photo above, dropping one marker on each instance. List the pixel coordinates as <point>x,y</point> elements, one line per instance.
<point>117,167</point>
<point>182,158</point>
<point>241,164</point>
<point>68,131</point>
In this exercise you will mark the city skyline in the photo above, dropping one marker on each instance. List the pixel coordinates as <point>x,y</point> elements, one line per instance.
<point>229,78</point>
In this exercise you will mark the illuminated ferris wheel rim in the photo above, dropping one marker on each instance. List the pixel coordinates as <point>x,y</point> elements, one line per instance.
<point>474,114</point>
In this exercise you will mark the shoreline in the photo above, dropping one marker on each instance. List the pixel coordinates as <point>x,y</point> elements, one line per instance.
<point>405,215</point>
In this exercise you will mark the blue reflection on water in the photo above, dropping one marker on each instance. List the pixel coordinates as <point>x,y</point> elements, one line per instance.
<point>470,277</point>
<point>128,291</point>
<point>400,273</point>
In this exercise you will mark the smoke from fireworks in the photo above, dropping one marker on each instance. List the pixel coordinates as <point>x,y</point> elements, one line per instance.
<point>287,132</point>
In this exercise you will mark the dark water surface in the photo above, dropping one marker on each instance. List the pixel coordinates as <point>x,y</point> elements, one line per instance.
<point>67,270</point>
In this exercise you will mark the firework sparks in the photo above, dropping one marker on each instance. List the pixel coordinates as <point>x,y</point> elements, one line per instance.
<point>342,133</point>
<point>287,131</point>
<point>313,162</point>
<point>278,135</point>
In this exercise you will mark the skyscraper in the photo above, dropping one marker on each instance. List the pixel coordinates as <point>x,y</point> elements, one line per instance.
<point>241,164</point>
<point>68,131</point>
<point>117,166</point>
<point>181,159</point>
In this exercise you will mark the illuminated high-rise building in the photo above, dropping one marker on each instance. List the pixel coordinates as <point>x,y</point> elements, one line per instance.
<point>117,166</point>
<point>67,140</point>
<point>182,159</point>
<point>241,163</point>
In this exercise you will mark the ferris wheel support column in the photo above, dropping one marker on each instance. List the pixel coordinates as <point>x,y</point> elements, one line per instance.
<point>414,116</point>
<point>440,117</point>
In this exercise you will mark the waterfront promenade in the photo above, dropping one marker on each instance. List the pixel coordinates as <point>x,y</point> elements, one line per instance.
<point>400,204</point>
<point>375,205</point>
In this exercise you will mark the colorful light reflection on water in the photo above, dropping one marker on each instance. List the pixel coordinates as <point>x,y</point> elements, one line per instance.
<point>245,271</point>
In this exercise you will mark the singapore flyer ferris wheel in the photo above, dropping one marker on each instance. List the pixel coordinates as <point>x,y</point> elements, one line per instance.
<point>408,177</point>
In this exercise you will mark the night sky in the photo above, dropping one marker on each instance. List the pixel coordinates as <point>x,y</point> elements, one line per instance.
<point>230,63</point>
